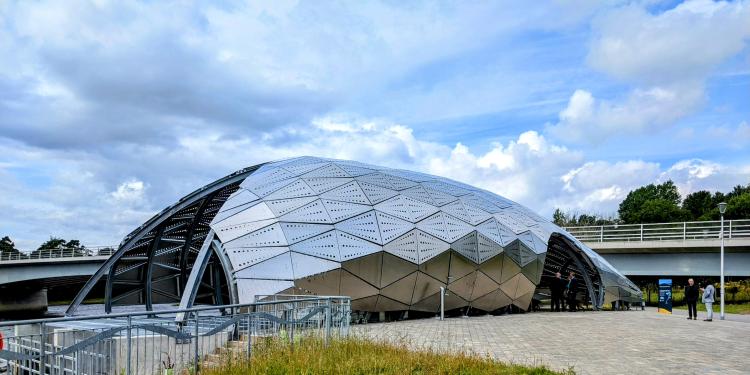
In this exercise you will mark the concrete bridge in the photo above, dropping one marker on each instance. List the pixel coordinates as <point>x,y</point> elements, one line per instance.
<point>671,249</point>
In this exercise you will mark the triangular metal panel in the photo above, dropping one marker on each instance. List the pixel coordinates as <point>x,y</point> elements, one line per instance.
<point>432,303</point>
<point>523,302</point>
<point>440,198</point>
<point>296,232</point>
<point>323,184</point>
<point>349,192</point>
<point>429,246</point>
<point>303,165</point>
<point>458,210</point>
<point>296,189</point>
<point>282,207</point>
<point>525,286</point>
<point>410,175</point>
<point>401,290</point>
<point>227,233</point>
<point>476,214</point>
<point>483,285</point>
<point>459,267</point>
<point>492,301</point>
<point>511,286</point>
<point>262,187</point>
<point>239,198</point>
<point>391,227</point>
<point>247,289</point>
<point>477,201</point>
<point>351,247</point>
<point>399,183</point>
<point>255,212</point>
<point>424,287</point>
<point>420,194</point>
<point>520,253</point>
<point>364,226</point>
<point>406,208</point>
<point>354,170</point>
<point>387,304</point>
<point>305,265</point>
<point>365,304</point>
<point>496,231</point>
<point>510,269</point>
<point>437,267</point>
<point>367,268</point>
<point>248,256</point>
<point>376,194</point>
<point>395,268</point>
<point>276,268</point>
<point>313,212</point>
<point>271,235</point>
<point>455,228</point>
<point>487,248</point>
<point>324,284</point>
<point>323,245</point>
<point>377,179</point>
<point>467,246</point>
<point>404,247</point>
<point>463,286</point>
<point>446,188</point>
<point>355,287</point>
<point>329,170</point>
<point>434,225</point>
<point>343,210</point>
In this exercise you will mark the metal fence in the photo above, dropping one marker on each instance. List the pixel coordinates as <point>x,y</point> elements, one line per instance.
<point>58,253</point>
<point>690,230</point>
<point>178,341</point>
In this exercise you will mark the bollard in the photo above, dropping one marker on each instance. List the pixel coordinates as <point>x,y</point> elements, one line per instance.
<point>442,303</point>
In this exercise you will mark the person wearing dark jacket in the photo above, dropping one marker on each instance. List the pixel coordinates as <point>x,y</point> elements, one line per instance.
<point>691,298</point>
<point>572,290</point>
<point>557,289</point>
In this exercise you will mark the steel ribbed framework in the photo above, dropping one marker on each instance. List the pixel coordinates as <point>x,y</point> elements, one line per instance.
<point>388,238</point>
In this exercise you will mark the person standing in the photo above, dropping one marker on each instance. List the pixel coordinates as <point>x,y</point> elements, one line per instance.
<point>572,291</point>
<point>691,298</point>
<point>708,300</point>
<point>556,289</point>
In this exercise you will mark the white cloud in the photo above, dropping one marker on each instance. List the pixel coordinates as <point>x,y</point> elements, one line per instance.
<point>131,190</point>
<point>667,57</point>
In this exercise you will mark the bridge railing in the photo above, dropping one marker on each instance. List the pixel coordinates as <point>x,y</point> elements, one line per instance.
<point>55,253</point>
<point>168,341</point>
<point>681,231</point>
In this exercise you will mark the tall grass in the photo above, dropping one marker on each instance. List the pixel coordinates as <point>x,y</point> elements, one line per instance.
<point>359,356</point>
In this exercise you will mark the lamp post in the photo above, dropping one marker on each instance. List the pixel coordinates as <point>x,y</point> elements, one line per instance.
<point>722,209</point>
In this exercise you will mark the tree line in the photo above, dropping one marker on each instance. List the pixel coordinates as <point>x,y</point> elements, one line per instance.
<point>662,203</point>
<point>50,247</point>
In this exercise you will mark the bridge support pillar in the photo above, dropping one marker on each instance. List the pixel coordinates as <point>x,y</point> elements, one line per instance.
<point>23,301</point>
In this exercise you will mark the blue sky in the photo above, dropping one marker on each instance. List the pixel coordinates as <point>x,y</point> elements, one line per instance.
<point>110,111</point>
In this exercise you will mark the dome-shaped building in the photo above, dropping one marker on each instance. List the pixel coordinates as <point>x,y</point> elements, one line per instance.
<point>388,238</point>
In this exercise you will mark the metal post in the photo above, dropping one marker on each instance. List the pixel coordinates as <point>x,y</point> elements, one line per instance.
<point>601,233</point>
<point>442,302</point>
<point>641,232</point>
<point>328,322</point>
<point>684,231</point>
<point>42,350</point>
<point>130,337</point>
<point>721,315</point>
<point>249,335</point>
<point>730,229</point>
<point>195,357</point>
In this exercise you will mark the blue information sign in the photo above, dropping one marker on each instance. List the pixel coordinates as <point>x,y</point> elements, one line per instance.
<point>665,296</point>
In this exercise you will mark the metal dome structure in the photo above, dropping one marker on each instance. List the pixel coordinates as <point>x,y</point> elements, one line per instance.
<point>388,238</point>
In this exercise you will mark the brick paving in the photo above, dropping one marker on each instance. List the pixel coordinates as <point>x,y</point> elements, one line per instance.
<point>625,342</point>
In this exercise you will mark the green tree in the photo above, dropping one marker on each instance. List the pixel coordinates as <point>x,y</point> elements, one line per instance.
<point>651,204</point>
<point>698,204</point>
<point>738,207</point>
<point>55,245</point>
<point>8,249</point>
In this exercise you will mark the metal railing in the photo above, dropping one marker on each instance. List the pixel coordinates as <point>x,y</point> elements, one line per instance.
<point>59,252</point>
<point>682,231</point>
<point>150,342</point>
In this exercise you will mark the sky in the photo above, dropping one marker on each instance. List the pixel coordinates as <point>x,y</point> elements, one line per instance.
<point>111,110</point>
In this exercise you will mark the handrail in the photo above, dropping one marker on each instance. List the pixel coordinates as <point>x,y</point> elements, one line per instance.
<point>677,231</point>
<point>59,252</point>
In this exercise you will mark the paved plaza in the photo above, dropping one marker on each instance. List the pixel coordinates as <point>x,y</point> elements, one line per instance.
<point>626,342</point>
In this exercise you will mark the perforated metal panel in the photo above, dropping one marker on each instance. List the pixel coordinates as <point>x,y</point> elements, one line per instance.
<point>276,268</point>
<point>351,247</point>
<point>296,232</point>
<point>306,265</point>
<point>323,184</point>
<point>313,212</point>
<point>271,235</point>
<point>391,227</point>
<point>295,189</point>
<point>404,247</point>
<point>376,194</point>
<point>324,245</point>
<point>349,192</point>
<point>339,211</point>
<point>364,226</point>
<point>281,207</point>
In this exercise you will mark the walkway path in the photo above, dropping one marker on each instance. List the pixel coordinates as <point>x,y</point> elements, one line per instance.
<point>626,342</point>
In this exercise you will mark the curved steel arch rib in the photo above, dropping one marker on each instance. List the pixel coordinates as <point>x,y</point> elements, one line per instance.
<point>159,251</point>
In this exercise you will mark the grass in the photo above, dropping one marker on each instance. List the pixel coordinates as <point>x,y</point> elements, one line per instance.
<point>740,308</point>
<point>361,356</point>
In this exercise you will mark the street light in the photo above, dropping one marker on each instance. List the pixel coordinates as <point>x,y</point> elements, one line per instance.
<point>722,209</point>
